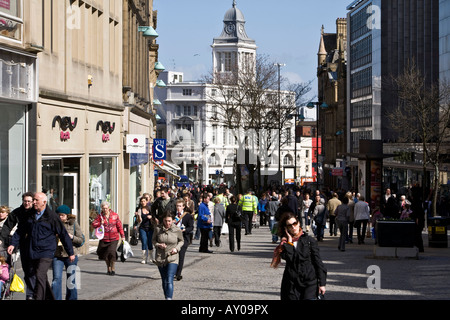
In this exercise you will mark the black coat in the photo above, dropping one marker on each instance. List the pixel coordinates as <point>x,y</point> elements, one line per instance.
<point>188,222</point>
<point>18,215</point>
<point>158,209</point>
<point>304,268</point>
<point>40,235</point>
<point>231,216</point>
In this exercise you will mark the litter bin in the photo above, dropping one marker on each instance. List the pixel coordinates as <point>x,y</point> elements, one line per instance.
<point>437,232</point>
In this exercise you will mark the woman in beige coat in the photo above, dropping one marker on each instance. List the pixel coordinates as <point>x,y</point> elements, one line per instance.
<point>168,240</point>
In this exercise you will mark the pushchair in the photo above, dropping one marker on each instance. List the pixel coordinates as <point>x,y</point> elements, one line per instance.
<point>134,240</point>
<point>255,222</point>
<point>6,293</point>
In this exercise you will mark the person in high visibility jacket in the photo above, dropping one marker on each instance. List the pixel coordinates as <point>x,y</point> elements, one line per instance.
<point>249,205</point>
<point>223,200</point>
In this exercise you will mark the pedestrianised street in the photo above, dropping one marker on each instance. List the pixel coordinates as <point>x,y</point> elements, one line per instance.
<point>246,274</point>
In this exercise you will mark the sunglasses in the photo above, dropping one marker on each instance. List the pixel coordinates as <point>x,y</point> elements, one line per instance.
<point>292,225</point>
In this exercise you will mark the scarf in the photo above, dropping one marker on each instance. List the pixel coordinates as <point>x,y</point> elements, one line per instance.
<point>279,249</point>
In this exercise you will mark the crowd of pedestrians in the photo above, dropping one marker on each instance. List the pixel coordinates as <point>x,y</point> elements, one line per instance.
<point>349,211</point>
<point>168,221</point>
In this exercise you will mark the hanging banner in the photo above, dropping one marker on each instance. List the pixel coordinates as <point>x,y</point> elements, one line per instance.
<point>159,149</point>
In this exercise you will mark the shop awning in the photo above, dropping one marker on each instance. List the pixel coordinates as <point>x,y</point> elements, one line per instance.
<point>166,170</point>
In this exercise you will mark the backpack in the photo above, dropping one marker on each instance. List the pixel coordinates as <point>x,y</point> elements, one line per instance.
<point>82,236</point>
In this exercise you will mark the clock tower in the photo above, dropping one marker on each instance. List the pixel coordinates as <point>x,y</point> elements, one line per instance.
<point>233,47</point>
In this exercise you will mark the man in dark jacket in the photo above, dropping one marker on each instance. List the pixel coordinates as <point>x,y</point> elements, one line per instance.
<point>20,215</point>
<point>163,204</point>
<point>40,231</point>
<point>293,204</point>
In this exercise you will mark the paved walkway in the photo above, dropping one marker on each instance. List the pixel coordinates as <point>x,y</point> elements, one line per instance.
<point>246,275</point>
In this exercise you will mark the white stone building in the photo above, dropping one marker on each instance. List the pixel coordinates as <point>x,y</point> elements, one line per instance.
<point>198,142</point>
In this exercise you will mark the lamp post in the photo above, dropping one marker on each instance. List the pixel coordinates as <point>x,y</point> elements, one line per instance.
<point>279,65</point>
<point>318,105</point>
<point>296,115</point>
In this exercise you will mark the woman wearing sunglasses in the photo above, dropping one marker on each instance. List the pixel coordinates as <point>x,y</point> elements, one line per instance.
<point>305,275</point>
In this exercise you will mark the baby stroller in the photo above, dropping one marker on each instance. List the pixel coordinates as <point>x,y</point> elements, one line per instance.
<point>255,222</point>
<point>6,293</point>
<point>134,240</point>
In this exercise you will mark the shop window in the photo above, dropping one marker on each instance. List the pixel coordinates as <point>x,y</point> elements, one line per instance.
<point>12,154</point>
<point>11,19</point>
<point>102,186</point>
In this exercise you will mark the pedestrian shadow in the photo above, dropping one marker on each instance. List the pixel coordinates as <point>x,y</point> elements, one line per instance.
<point>243,292</point>
<point>120,275</point>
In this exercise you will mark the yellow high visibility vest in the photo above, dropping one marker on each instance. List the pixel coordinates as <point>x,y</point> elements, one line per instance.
<point>249,203</point>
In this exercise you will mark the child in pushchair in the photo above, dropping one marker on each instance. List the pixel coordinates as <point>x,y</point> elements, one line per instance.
<point>7,275</point>
<point>4,277</point>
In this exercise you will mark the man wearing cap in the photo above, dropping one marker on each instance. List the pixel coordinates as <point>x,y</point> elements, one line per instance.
<point>40,232</point>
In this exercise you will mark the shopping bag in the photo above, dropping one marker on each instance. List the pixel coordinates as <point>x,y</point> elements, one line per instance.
<point>225,228</point>
<point>17,284</point>
<point>127,252</point>
<point>100,232</point>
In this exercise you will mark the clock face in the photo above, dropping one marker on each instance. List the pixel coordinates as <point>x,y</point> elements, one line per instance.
<point>229,28</point>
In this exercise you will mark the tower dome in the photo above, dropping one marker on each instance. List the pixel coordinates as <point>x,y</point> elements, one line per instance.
<point>234,15</point>
<point>234,27</point>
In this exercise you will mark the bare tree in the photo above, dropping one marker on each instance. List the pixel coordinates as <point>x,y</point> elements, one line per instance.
<point>247,100</point>
<point>422,118</point>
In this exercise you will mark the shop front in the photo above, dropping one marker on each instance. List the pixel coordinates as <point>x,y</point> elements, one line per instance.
<point>79,158</point>
<point>138,172</point>
<point>18,92</point>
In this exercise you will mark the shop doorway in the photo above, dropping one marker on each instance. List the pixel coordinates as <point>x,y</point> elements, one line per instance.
<point>60,181</point>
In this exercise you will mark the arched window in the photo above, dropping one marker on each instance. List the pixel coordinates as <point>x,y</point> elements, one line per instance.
<point>214,159</point>
<point>288,161</point>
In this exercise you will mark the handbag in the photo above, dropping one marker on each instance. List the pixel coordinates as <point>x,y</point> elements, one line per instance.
<point>100,232</point>
<point>82,236</point>
<point>239,213</point>
<point>17,284</point>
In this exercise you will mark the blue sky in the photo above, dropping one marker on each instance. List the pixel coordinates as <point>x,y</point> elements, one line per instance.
<point>288,31</point>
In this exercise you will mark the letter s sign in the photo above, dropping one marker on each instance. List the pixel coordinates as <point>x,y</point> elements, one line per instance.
<point>159,149</point>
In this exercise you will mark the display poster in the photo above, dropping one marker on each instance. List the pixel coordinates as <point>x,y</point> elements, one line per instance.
<point>375,183</point>
<point>362,177</point>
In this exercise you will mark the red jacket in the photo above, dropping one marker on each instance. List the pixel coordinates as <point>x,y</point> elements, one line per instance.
<point>113,229</point>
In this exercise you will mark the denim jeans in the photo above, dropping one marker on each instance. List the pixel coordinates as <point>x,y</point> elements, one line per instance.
<point>167,274</point>
<point>71,286</point>
<point>146,239</point>
<point>307,219</point>
<point>272,224</point>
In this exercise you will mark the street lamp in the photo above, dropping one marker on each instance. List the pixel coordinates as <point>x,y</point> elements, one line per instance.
<point>279,65</point>
<point>322,105</point>
<point>296,115</point>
